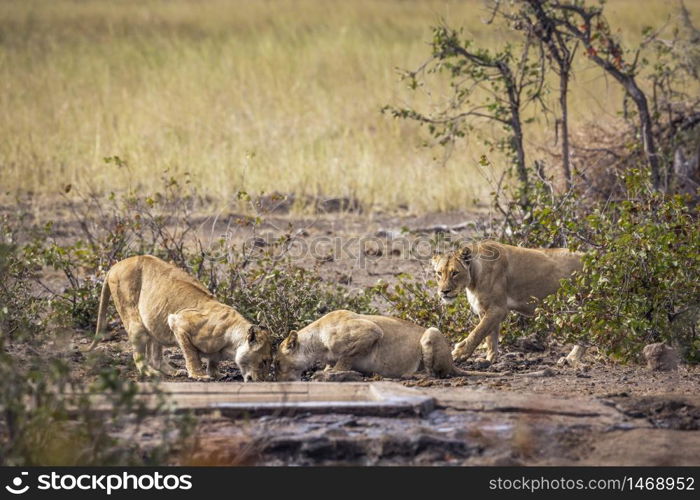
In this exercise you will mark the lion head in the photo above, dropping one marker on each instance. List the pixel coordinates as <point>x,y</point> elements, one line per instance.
<point>453,273</point>
<point>255,355</point>
<point>289,363</point>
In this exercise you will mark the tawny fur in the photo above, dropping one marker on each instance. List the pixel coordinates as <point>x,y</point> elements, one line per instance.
<point>161,305</point>
<point>499,278</point>
<point>343,341</point>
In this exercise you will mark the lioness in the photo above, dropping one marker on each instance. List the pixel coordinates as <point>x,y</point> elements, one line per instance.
<point>499,278</point>
<point>381,345</point>
<point>161,305</point>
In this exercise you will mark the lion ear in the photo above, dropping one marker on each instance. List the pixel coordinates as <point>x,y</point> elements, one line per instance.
<point>435,260</point>
<point>253,334</point>
<point>292,340</point>
<point>465,254</point>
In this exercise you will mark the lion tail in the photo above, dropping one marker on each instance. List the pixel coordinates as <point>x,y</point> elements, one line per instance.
<point>472,373</point>
<point>101,314</point>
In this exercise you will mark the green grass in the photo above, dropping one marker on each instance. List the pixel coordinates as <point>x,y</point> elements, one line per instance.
<point>244,95</point>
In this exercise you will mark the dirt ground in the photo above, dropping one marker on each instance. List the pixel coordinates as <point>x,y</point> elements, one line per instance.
<point>529,412</point>
<point>468,427</point>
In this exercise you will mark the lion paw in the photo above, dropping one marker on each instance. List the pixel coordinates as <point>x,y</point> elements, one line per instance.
<point>458,356</point>
<point>194,376</point>
<point>149,372</point>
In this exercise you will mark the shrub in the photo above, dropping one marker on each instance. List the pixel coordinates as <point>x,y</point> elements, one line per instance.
<point>282,296</point>
<point>640,282</point>
<point>48,416</point>
<point>640,278</point>
<point>416,301</point>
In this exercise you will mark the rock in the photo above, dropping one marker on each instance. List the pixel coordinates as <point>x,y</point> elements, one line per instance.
<point>342,204</point>
<point>502,366</point>
<point>388,233</point>
<point>481,364</point>
<point>504,461</point>
<point>661,357</point>
<point>529,344</point>
<point>274,203</point>
<point>573,358</point>
<point>259,242</point>
<point>372,249</point>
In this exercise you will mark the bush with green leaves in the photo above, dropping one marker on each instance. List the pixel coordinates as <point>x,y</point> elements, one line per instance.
<point>641,277</point>
<point>640,283</point>
<point>257,277</point>
<point>416,300</point>
<point>50,416</point>
<point>282,296</point>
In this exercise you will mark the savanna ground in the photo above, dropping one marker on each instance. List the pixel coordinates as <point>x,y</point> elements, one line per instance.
<point>530,412</point>
<point>270,113</point>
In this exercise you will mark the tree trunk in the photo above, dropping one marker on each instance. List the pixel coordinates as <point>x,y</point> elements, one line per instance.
<point>516,140</point>
<point>546,32</point>
<point>649,143</point>
<point>517,144</point>
<point>563,103</point>
<point>646,124</point>
<point>631,88</point>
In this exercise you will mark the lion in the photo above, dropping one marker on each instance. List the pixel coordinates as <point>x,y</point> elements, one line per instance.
<point>347,341</point>
<point>161,305</point>
<point>499,278</point>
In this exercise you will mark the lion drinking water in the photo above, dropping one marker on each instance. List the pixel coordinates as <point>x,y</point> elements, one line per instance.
<point>346,341</point>
<point>161,305</point>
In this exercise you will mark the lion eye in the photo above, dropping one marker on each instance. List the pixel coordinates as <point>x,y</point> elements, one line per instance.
<point>455,273</point>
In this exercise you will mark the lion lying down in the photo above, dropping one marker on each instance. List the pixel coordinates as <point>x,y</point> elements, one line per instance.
<point>161,305</point>
<point>347,341</point>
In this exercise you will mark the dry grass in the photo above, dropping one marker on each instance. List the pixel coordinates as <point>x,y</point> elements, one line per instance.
<point>257,96</point>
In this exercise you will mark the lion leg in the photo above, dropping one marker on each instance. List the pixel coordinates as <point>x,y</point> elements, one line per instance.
<point>193,362</point>
<point>141,342</point>
<point>492,346</point>
<point>489,323</point>
<point>213,368</point>
<point>156,359</point>
<point>436,354</point>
